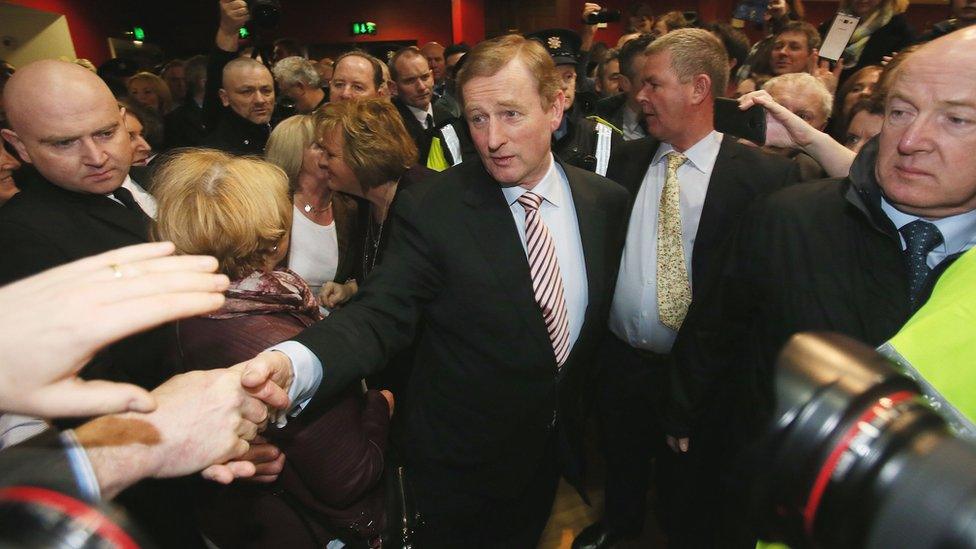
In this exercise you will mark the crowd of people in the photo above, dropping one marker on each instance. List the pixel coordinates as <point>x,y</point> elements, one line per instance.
<point>237,263</point>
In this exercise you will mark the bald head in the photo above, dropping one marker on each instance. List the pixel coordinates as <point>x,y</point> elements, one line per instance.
<point>248,89</point>
<point>925,163</point>
<point>75,137</point>
<point>434,53</point>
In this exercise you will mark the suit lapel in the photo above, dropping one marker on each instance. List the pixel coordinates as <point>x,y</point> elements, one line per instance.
<point>493,228</point>
<point>117,215</point>
<point>592,221</point>
<point>725,190</point>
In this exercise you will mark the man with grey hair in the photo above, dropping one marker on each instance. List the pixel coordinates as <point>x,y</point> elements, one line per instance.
<point>804,95</point>
<point>690,184</point>
<point>299,80</point>
<point>807,97</point>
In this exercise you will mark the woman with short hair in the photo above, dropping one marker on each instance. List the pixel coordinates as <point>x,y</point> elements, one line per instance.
<point>238,210</point>
<point>368,153</point>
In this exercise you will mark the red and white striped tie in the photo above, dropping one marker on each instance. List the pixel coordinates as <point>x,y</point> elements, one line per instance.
<point>547,283</point>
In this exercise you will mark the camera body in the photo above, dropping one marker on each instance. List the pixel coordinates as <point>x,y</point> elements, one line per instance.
<point>264,13</point>
<point>602,16</point>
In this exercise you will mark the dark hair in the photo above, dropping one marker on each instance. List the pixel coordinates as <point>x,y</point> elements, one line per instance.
<point>378,79</point>
<point>152,123</point>
<point>735,41</point>
<point>612,53</point>
<point>630,50</point>
<point>456,48</point>
<point>802,27</point>
<point>406,51</point>
<point>290,45</point>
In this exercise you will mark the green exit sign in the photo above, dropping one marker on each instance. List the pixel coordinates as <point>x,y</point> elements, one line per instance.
<point>138,33</point>
<point>363,27</point>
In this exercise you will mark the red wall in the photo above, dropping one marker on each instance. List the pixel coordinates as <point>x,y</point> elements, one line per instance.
<point>183,27</point>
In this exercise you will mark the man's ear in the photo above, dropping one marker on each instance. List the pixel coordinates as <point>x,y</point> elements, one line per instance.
<point>224,99</point>
<point>701,88</point>
<point>556,110</point>
<point>11,137</point>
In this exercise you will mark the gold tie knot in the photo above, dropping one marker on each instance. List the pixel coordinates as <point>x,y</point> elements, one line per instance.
<point>675,160</point>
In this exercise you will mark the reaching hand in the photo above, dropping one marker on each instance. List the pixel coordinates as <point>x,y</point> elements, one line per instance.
<point>233,15</point>
<point>203,418</point>
<point>51,324</point>
<point>334,294</point>
<point>820,68</point>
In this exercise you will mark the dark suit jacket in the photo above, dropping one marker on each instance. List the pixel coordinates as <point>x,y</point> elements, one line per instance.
<point>740,175</point>
<point>44,226</point>
<point>420,135</point>
<point>485,389</point>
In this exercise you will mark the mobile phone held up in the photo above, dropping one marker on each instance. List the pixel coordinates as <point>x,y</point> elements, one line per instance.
<point>749,124</point>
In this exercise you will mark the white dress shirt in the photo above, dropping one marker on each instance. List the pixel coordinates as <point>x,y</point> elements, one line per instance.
<point>421,114</point>
<point>634,314</point>
<point>145,200</point>
<point>559,214</point>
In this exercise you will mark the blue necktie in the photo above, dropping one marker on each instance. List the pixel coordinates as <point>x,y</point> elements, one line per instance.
<point>921,237</point>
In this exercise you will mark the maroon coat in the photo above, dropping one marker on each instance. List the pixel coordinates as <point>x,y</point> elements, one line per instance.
<point>333,459</point>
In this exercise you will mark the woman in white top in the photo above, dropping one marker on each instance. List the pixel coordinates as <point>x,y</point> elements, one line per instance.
<point>323,229</point>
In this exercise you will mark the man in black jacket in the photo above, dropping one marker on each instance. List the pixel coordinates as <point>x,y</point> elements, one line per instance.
<point>500,382</point>
<point>716,180</point>
<point>855,256</point>
<point>240,96</point>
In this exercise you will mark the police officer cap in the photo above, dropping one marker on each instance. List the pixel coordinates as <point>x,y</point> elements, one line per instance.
<point>563,45</point>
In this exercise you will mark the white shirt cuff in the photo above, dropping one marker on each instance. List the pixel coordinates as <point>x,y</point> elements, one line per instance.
<point>307,369</point>
<point>81,467</point>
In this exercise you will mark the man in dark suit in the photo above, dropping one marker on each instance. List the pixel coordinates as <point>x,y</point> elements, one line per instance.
<point>856,255</point>
<point>73,206</point>
<point>690,186</point>
<point>502,270</point>
<point>424,118</point>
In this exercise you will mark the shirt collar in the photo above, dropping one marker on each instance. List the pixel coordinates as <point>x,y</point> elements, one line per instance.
<point>420,114</point>
<point>958,231</point>
<point>548,187</point>
<point>701,155</point>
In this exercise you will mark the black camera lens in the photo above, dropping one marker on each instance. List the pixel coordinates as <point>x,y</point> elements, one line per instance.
<point>602,16</point>
<point>857,458</point>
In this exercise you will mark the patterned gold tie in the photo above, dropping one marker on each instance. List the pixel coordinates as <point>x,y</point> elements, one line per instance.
<point>673,288</point>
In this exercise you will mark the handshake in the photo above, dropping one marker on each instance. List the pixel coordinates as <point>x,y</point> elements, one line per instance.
<point>53,323</point>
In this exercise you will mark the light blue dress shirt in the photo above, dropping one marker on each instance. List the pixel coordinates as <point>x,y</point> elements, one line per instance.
<point>559,214</point>
<point>634,314</point>
<point>958,231</point>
